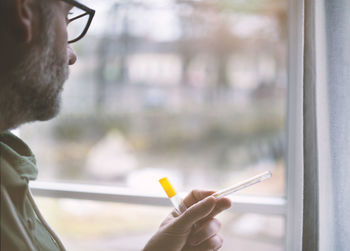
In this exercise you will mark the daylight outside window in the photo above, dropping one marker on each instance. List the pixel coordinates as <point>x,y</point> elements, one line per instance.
<point>192,90</point>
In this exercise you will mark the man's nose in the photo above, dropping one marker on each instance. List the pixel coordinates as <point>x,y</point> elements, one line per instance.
<point>71,55</point>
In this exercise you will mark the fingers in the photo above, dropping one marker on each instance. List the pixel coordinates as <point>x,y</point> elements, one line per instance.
<point>221,205</point>
<point>195,229</point>
<point>199,205</point>
<point>195,213</point>
<point>214,243</point>
<point>195,196</point>
<point>198,195</point>
<point>204,232</point>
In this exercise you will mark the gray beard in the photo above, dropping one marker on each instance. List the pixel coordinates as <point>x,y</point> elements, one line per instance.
<point>32,91</point>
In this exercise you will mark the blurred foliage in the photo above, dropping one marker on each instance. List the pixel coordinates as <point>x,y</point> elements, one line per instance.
<point>227,138</point>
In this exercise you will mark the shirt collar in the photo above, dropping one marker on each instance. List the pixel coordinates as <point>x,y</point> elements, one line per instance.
<point>17,162</point>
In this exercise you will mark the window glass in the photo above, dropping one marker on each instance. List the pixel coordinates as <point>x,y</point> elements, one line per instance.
<point>124,227</point>
<point>192,90</point>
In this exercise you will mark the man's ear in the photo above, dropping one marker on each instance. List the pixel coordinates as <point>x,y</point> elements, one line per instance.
<point>23,19</point>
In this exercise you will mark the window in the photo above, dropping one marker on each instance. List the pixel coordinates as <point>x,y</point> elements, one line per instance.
<point>192,90</point>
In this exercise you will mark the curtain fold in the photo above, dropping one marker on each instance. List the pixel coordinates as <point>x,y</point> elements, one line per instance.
<point>310,202</point>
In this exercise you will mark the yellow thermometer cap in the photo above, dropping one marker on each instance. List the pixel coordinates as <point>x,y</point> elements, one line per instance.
<point>168,188</point>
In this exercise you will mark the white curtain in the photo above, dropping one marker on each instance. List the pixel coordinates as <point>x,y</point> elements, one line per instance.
<point>318,172</point>
<point>326,123</point>
<point>338,83</point>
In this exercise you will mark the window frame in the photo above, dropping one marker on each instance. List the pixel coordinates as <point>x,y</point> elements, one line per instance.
<point>242,204</point>
<point>289,207</point>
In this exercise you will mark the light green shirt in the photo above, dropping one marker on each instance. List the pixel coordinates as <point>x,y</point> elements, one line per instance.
<point>18,167</point>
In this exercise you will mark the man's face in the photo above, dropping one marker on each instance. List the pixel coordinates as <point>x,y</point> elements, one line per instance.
<point>38,80</point>
<point>52,60</point>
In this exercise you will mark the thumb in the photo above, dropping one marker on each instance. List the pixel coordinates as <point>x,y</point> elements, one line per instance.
<point>195,213</point>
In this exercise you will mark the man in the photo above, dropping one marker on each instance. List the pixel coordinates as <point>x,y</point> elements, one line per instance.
<point>34,59</point>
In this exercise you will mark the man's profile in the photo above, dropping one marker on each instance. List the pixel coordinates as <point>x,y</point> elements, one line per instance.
<point>35,55</point>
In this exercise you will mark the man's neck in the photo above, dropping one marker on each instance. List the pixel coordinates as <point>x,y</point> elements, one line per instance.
<point>8,118</point>
<point>5,126</point>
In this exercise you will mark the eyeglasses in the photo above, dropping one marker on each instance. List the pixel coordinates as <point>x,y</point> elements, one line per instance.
<point>79,20</point>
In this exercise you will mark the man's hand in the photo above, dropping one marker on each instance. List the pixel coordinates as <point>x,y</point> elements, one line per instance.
<point>195,229</point>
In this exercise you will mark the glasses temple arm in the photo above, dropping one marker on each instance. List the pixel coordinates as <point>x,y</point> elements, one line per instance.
<point>70,20</point>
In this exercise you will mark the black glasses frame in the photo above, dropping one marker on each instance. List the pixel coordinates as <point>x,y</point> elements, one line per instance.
<point>88,11</point>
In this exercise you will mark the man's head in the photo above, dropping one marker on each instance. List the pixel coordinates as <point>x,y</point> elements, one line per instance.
<point>34,60</point>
